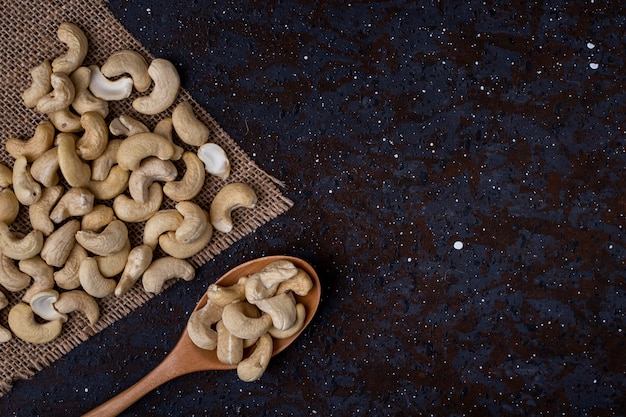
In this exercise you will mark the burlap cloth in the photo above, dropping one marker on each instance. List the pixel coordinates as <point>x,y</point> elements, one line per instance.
<point>28,36</point>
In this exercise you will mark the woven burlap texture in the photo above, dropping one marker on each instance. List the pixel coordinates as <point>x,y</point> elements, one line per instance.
<point>27,37</point>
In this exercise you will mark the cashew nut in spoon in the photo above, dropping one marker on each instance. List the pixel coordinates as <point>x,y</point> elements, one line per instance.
<point>26,189</point>
<point>77,201</point>
<point>238,320</point>
<point>78,300</point>
<point>95,139</point>
<point>109,90</point>
<point>222,295</point>
<point>41,273</point>
<point>124,125</point>
<point>128,62</point>
<point>40,85</point>
<point>165,90</point>
<point>23,324</point>
<point>150,170</point>
<point>92,280</point>
<point>32,148</point>
<point>199,325</point>
<point>113,264</point>
<point>17,247</point>
<point>276,273</point>
<point>101,166</point>
<point>77,45</point>
<point>297,325</point>
<point>215,160</point>
<point>165,269</point>
<point>229,347</point>
<point>65,121</point>
<point>112,239</point>
<point>67,277</point>
<point>42,304</point>
<point>74,170</point>
<point>45,169</point>
<point>281,308</point>
<point>132,211</point>
<point>139,259</point>
<point>191,183</point>
<point>162,221</point>
<point>84,101</point>
<point>39,212</point>
<point>57,247</point>
<point>253,367</point>
<point>9,206</point>
<point>112,186</point>
<point>61,96</point>
<point>299,284</point>
<point>187,126</point>
<point>11,277</point>
<point>135,148</point>
<point>231,197</point>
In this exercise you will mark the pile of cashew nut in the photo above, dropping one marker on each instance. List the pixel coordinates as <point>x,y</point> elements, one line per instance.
<point>82,179</point>
<point>257,309</point>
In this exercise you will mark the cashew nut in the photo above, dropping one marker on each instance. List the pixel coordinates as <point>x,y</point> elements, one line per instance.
<point>92,280</point>
<point>39,212</point>
<point>127,126</point>
<point>45,169</point>
<point>78,300</point>
<point>109,90</point>
<point>57,247</point>
<point>16,247</point>
<point>9,206</point>
<point>67,277</point>
<point>40,85</point>
<point>276,273</point>
<point>23,324</point>
<point>165,128</point>
<point>84,100</point>
<point>96,137</point>
<point>112,239</point>
<point>65,121</point>
<point>42,304</point>
<point>299,284</point>
<point>150,170</point>
<point>11,277</point>
<point>194,224</point>
<point>281,308</point>
<point>132,211</point>
<point>173,247</point>
<point>199,326</point>
<point>253,367</point>
<point>229,198</point>
<point>139,259</point>
<point>241,323</point>
<point>165,90</point>
<point>98,218</point>
<point>128,62</point>
<point>34,147</point>
<point>74,170</point>
<point>222,296</point>
<point>61,96</point>
<point>77,45</point>
<point>188,128</point>
<point>26,189</point>
<point>101,166</point>
<point>77,201</point>
<point>113,264</point>
<point>215,160</point>
<point>295,328</point>
<point>229,347</point>
<point>161,222</point>
<point>191,183</point>
<point>164,269</point>
<point>41,273</point>
<point>110,187</point>
<point>6,176</point>
<point>135,148</point>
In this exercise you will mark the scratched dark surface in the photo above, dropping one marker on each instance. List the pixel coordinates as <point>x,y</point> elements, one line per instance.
<point>400,129</point>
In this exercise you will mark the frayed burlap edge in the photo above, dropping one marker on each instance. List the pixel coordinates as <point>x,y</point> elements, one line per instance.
<point>27,37</point>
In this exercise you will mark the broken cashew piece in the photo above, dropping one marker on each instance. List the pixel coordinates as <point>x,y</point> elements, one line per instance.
<point>109,90</point>
<point>40,85</point>
<point>229,198</point>
<point>132,211</point>
<point>135,148</point>
<point>253,367</point>
<point>33,148</point>
<point>77,45</point>
<point>215,160</point>
<point>42,304</point>
<point>78,300</point>
<point>129,62</point>
<point>92,280</point>
<point>187,126</point>
<point>191,183</point>
<point>26,189</point>
<point>166,85</point>
<point>23,324</point>
<point>112,239</point>
<point>164,269</point>
<point>18,248</point>
<point>97,219</point>
<point>139,259</point>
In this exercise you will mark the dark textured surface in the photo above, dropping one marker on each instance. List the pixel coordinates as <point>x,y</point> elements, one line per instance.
<point>400,129</point>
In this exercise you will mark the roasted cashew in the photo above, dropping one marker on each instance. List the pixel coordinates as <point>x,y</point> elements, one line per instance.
<point>34,147</point>
<point>57,247</point>
<point>41,273</point>
<point>165,90</point>
<point>215,160</point>
<point>26,189</point>
<point>45,169</point>
<point>110,187</point>
<point>132,211</point>
<point>128,62</point>
<point>164,269</point>
<point>77,45</point>
<point>92,280</point>
<point>67,277</point>
<point>40,85</point>
<point>18,248</point>
<point>77,201</point>
<point>84,101</point>
<point>191,183</point>
<point>9,206</point>
<point>150,170</point>
<point>229,198</point>
<point>109,90</point>
<point>161,222</point>
<point>61,96</point>
<point>74,170</point>
<point>139,259</point>
<point>135,148</point>
<point>96,137</point>
<point>187,126</point>
<point>112,239</point>
<point>79,300</point>
<point>23,324</point>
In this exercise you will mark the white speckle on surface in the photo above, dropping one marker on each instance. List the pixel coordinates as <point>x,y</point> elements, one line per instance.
<point>458,245</point>
<point>591,45</point>
<point>593,65</point>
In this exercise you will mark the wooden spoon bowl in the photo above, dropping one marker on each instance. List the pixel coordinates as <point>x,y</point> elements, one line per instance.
<point>186,357</point>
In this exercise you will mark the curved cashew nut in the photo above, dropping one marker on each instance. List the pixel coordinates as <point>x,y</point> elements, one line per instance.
<point>61,96</point>
<point>41,273</point>
<point>77,45</point>
<point>165,90</point>
<point>76,172</point>
<point>45,169</point>
<point>67,277</point>
<point>92,280</point>
<point>135,148</point>
<point>295,328</point>
<point>57,247</point>
<point>84,100</point>
<point>6,176</point>
<point>215,160</point>
<point>164,269</point>
<point>26,189</point>
<point>238,320</point>
<point>9,206</point>
<point>19,248</point>
<point>165,128</point>
<point>176,249</point>
<point>34,147</point>
<point>199,326</point>
<point>110,187</point>
<point>39,213</point>
<point>253,367</point>
<point>187,126</point>
<point>65,121</point>
<point>109,90</point>
<point>162,221</point>
<point>128,62</point>
<point>101,166</point>
<point>127,126</point>
<point>229,347</point>
<point>222,296</point>
<point>132,211</point>
<point>40,85</point>
<point>112,239</point>
<point>229,198</point>
<point>11,277</point>
<point>77,201</point>
<point>150,170</point>
<point>78,300</point>
<point>299,284</point>
<point>42,304</point>
<point>191,183</point>
<point>139,259</point>
<point>113,264</point>
<point>96,137</point>
<point>98,218</point>
<point>194,224</point>
<point>23,324</point>
<point>281,308</point>
<point>276,273</point>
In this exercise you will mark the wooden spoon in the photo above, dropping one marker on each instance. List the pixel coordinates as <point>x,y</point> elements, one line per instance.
<point>186,357</point>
